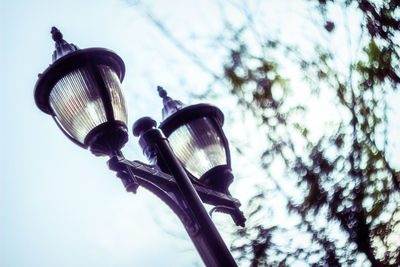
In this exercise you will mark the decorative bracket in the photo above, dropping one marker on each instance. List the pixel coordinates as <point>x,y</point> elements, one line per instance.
<point>135,173</point>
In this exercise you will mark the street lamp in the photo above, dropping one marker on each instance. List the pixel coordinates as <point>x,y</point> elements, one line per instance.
<point>197,139</point>
<point>81,90</point>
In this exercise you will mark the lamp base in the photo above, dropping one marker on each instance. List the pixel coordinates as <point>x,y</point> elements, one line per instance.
<point>107,138</point>
<point>219,178</point>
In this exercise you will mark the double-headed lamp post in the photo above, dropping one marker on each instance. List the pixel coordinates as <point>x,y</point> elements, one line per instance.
<point>81,90</point>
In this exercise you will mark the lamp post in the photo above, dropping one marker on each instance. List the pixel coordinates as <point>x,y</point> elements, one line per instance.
<point>81,90</point>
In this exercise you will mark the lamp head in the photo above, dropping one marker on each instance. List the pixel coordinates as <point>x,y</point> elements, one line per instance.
<point>81,90</point>
<point>197,139</point>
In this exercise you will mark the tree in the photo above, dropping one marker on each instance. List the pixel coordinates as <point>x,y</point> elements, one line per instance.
<point>346,196</point>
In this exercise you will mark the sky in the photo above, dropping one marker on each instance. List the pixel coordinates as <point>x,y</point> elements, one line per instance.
<point>59,204</point>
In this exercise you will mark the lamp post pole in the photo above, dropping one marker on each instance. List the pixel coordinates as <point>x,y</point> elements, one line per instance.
<point>205,235</point>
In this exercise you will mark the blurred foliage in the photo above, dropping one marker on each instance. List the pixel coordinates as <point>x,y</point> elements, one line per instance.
<point>346,175</point>
<point>347,205</point>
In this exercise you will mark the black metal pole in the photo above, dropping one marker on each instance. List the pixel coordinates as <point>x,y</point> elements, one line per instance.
<point>206,239</point>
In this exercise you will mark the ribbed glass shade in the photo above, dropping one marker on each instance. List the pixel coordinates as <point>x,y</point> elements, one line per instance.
<point>111,81</point>
<point>77,104</point>
<point>198,146</point>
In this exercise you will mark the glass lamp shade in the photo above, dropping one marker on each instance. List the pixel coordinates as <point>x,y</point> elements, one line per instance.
<point>82,91</point>
<point>196,137</point>
<point>198,146</point>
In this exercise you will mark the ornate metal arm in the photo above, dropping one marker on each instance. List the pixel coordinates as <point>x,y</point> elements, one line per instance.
<point>135,173</point>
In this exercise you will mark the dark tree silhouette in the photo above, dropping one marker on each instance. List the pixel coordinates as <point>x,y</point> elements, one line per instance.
<point>347,200</point>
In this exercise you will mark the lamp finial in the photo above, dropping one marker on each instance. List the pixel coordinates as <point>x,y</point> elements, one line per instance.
<point>62,47</point>
<point>170,105</point>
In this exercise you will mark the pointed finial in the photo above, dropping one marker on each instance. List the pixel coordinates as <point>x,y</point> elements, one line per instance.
<point>161,92</point>
<point>170,106</point>
<point>56,34</point>
<point>62,47</point>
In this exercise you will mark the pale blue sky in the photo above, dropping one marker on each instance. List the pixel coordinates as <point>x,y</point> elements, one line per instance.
<point>59,205</point>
